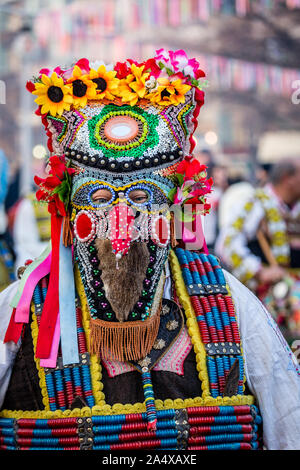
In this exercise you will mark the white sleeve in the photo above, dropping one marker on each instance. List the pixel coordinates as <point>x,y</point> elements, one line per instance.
<point>232,242</point>
<point>9,350</point>
<point>26,237</point>
<point>271,369</point>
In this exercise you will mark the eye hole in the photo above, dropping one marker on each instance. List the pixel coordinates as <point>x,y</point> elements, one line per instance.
<point>101,196</point>
<point>139,196</point>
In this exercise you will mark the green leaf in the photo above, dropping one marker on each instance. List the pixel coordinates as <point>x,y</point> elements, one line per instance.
<point>172,193</point>
<point>180,178</point>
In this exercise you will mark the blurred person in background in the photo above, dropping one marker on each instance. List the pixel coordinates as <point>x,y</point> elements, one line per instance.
<point>261,244</point>
<point>30,242</point>
<point>7,256</point>
<point>27,212</point>
<point>219,173</point>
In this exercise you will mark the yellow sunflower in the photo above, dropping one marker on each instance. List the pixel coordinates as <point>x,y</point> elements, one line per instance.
<point>54,96</point>
<point>82,86</point>
<point>169,93</point>
<point>106,83</point>
<point>133,87</point>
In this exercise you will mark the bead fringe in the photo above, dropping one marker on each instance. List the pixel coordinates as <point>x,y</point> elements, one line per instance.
<point>127,341</point>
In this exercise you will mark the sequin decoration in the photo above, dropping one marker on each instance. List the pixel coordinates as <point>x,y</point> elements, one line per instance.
<point>141,131</point>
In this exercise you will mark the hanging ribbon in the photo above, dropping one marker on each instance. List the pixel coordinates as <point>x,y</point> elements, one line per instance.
<point>14,329</point>
<point>193,235</point>
<point>67,308</point>
<point>51,304</point>
<point>51,362</point>
<point>23,308</point>
<point>22,300</point>
<point>29,269</point>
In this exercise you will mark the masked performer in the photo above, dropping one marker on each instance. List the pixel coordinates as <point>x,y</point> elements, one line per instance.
<point>125,333</point>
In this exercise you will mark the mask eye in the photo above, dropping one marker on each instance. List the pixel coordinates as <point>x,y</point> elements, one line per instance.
<point>139,196</point>
<point>102,196</point>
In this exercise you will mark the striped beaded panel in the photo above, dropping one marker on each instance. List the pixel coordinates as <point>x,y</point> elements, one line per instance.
<point>66,383</point>
<point>215,315</point>
<point>195,428</point>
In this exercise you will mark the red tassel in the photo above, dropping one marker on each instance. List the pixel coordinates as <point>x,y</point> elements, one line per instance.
<point>51,305</point>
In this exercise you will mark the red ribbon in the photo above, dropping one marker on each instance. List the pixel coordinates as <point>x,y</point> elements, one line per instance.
<point>51,305</point>
<point>14,329</point>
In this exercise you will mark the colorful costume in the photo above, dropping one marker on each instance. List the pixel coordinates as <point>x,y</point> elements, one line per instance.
<point>265,231</point>
<point>164,369</point>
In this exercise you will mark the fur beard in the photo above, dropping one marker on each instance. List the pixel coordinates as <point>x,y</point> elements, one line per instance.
<point>123,286</point>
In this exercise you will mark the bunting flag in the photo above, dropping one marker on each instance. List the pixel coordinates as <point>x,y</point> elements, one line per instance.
<point>225,73</point>
<point>116,17</point>
<point>101,26</point>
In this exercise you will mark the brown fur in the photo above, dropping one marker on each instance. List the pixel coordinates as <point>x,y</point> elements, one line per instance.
<point>123,286</point>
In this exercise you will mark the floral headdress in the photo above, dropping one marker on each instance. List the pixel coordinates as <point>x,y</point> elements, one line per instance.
<point>162,81</point>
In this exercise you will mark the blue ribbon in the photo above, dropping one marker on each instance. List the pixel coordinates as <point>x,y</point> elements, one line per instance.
<point>67,308</point>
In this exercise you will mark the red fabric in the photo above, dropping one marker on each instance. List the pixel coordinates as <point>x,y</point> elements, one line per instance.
<point>199,97</point>
<point>14,329</point>
<point>51,305</point>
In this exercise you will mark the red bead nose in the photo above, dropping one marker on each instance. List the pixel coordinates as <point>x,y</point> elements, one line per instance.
<point>121,226</point>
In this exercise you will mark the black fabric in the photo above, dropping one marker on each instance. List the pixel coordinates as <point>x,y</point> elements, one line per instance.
<point>24,392</point>
<point>127,388</point>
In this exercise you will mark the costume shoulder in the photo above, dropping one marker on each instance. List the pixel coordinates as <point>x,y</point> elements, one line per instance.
<point>6,297</point>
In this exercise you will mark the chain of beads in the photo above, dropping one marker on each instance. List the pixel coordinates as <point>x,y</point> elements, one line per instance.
<point>149,398</point>
<point>215,316</point>
<point>108,143</point>
<point>228,427</point>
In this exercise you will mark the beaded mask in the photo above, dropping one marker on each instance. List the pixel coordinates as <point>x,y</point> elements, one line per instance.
<point>123,129</point>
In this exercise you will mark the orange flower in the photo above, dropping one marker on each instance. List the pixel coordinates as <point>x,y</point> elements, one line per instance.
<point>132,88</point>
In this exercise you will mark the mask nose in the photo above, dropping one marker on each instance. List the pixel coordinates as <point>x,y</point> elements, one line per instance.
<point>121,218</point>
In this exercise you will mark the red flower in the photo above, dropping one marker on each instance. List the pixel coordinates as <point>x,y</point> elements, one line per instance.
<point>58,167</point>
<point>55,188</point>
<point>151,64</point>
<point>191,168</point>
<point>30,86</point>
<point>122,70</point>
<point>84,65</point>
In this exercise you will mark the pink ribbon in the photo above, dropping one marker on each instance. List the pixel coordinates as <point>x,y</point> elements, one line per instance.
<point>51,361</point>
<point>194,240</point>
<point>23,308</point>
